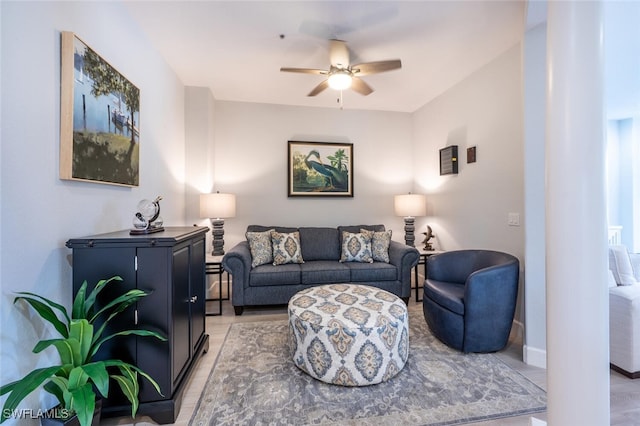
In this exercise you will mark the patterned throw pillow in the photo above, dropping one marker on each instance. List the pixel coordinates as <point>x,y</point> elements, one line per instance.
<point>286,248</point>
<point>260,247</point>
<point>380,245</point>
<point>356,247</point>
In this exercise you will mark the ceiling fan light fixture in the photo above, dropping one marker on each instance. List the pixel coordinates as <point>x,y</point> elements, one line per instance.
<point>340,80</point>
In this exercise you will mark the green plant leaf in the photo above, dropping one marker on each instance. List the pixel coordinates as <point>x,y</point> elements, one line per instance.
<point>82,331</point>
<point>68,349</point>
<point>117,363</point>
<point>129,386</point>
<point>77,378</point>
<point>128,298</point>
<point>45,311</point>
<point>55,389</point>
<point>118,309</point>
<point>78,311</point>
<point>83,402</point>
<point>91,299</point>
<point>149,333</point>
<point>23,387</point>
<point>97,372</point>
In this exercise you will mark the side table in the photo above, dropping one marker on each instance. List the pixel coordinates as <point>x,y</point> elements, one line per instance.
<point>424,254</point>
<point>213,266</point>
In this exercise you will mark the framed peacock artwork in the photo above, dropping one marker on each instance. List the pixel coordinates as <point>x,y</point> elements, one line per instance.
<point>320,169</point>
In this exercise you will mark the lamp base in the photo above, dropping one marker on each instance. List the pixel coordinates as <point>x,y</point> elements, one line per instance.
<point>218,236</point>
<point>409,228</point>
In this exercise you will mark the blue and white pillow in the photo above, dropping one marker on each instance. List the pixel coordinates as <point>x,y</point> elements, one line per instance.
<point>380,245</point>
<point>356,247</point>
<point>260,247</point>
<point>286,248</point>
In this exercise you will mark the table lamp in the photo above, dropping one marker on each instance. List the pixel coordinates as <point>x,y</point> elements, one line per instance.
<point>217,207</point>
<point>409,206</point>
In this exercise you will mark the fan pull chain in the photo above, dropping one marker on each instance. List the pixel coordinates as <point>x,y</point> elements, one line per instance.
<point>339,100</point>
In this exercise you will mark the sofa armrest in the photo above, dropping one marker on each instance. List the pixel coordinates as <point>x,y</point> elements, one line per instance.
<point>237,262</point>
<point>404,258</point>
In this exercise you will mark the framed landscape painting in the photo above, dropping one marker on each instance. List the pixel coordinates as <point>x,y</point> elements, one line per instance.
<point>320,169</point>
<point>99,114</point>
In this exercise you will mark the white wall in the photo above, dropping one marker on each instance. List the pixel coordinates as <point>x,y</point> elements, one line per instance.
<point>39,211</point>
<point>535,83</point>
<point>199,116</point>
<point>251,161</point>
<point>470,209</point>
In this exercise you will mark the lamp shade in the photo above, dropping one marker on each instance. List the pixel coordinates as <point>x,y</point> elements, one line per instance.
<point>410,205</point>
<point>218,206</point>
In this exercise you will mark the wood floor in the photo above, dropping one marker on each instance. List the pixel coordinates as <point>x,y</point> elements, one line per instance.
<point>625,393</point>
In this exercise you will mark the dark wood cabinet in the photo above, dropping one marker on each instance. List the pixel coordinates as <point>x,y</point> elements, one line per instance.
<point>170,265</point>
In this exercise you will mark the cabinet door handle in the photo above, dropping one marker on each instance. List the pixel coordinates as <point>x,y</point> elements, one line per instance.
<point>194,299</point>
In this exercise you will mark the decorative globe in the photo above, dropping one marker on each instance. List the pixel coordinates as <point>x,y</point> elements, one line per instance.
<point>148,209</point>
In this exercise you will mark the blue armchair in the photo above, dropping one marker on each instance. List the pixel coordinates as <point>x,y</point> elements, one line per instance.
<point>470,298</point>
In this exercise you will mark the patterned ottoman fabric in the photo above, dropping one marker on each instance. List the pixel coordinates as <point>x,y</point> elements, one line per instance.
<point>347,334</point>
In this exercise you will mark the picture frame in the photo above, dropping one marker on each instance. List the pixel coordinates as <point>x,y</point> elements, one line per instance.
<point>471,155</point>
<point>449,160</point>
<point>319,169</point>
<point>99,118</point>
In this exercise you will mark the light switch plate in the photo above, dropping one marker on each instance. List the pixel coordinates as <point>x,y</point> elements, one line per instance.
<point>513,219</point>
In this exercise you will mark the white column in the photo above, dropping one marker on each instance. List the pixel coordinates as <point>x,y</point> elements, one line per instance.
<point>576,248</point>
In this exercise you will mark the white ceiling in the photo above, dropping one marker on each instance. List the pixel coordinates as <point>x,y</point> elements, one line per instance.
<point>235,47</point>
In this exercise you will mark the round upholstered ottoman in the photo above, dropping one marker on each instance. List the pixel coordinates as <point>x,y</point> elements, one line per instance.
<point>348,334</point>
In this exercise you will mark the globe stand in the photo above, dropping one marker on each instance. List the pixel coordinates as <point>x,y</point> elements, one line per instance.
<point>150,230</point>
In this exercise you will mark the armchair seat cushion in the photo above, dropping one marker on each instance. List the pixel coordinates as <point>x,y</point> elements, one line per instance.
<point>446,294</point>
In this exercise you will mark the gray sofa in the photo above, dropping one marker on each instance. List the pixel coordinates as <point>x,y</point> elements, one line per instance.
<point>321,249</point>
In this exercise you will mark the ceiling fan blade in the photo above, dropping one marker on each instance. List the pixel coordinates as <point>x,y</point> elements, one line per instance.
<point>304,70</point>
<point>376,67</point>
<point>338,53</point>
<point>319,88</point>
<point>358,85</point>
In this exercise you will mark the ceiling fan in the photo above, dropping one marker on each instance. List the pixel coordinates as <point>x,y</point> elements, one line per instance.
<point>341,75</point>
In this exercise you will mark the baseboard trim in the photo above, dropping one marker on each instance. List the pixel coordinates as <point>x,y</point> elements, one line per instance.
<point>534,356</point>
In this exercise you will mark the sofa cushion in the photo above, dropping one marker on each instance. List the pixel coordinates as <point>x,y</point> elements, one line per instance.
<point>319,243</point>
<point>372,272</point>
<point>620,265</point>
<point>446,294</point>
<point>324,272</point>
<point>356,247</point>
<point>260,247</point>
<point>286,248</point>
<point>266,275</point>
<point>380,246</point>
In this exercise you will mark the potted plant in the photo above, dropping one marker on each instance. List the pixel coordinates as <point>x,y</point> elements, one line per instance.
<point>78,379</point>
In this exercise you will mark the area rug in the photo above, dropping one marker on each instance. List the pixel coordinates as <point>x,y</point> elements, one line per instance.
<point>254,382</point>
